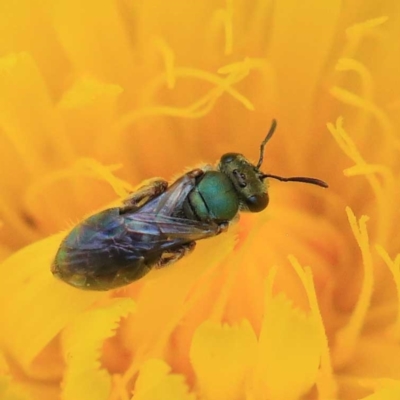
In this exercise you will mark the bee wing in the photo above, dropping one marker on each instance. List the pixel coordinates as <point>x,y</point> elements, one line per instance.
<point>172,199</point>
<point>109,242</point>
<point>171,227</point>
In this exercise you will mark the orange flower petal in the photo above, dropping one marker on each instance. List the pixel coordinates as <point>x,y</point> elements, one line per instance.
<point>82,341</point>
<point>27,281</point>
<point>290,351</point>
<point>156,382</point>
<point>221,356</point>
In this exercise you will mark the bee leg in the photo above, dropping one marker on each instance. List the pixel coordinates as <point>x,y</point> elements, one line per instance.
<point>195,173</point>
<point>222,227</point>
<point>172,256</point>
<point>144,195</point>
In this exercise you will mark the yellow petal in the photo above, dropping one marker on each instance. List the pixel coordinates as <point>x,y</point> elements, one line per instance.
<point>69,194</point>
<point>81,342</point>
<point>376,356</point>
<point>163,300</point>
<point>4,253</point>
<point>9,390</point>
<point>35,306</point>
<point>155,382</point>
<point>20,78</point>
<point>221,356</point>
<point>88,110</point>
<point>31,134</point>
<point>289,352</point>
<point>389,390</point>
<point>301,23</point>
<point>101,52</point>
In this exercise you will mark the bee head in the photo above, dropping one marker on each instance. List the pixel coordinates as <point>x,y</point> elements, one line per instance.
<point>249,180</point>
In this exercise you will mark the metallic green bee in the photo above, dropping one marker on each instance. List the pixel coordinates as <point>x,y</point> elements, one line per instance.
<point>160,224</point>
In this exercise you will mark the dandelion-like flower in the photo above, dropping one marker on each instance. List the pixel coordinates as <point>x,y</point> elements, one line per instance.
<point>301,301</point>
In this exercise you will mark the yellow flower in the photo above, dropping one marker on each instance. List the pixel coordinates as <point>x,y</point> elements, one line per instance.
<point>299,301</point>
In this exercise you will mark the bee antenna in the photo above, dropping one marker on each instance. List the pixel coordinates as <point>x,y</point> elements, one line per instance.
<point>264,142</point>
<point>312,181</point>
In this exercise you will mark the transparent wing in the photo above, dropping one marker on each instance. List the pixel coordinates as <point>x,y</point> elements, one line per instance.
<point>173,198</point>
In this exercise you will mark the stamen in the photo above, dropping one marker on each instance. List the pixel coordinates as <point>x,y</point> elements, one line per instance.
<point>197,109</point>
<point>169,61</point>
<point>347,337</point>
<point>326,384</point>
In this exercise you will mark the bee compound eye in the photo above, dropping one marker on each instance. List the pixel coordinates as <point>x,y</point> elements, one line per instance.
<point>228,158</point>
<point>257,202</point>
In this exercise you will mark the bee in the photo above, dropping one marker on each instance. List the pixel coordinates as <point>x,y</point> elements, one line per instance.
<point>161,223</point>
